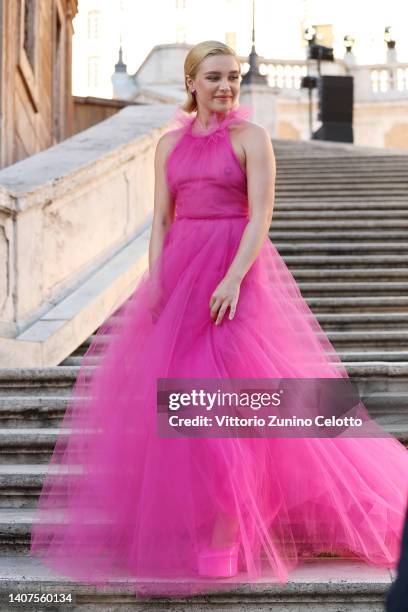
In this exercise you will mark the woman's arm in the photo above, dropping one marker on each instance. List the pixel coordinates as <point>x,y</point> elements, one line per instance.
<point>261,174</point>
<point>163,216</point>
<point>163,213</point>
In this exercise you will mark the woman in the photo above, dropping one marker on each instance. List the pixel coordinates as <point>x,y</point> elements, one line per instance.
<point>218,302</point>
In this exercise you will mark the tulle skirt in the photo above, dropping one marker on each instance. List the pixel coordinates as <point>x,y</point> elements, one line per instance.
<point>120,500</point>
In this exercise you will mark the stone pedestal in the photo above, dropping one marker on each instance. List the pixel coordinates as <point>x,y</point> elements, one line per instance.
<point>263,100</point>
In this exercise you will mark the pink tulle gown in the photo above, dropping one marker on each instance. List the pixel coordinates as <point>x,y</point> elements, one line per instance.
<point>118,500</point>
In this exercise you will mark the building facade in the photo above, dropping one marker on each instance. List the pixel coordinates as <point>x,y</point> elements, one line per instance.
<point>36,105</point>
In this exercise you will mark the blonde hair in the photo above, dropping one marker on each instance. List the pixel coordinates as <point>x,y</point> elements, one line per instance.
<point>191,64</point>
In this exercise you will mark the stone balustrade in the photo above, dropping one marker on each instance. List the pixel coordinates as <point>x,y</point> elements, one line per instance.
<point>371,81</point>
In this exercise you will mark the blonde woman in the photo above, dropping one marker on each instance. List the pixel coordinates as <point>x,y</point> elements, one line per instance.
<point>180,513</point>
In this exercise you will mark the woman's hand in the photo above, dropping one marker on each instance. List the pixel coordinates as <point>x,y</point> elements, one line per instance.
<point>156,301</point>
<point>225,295</point>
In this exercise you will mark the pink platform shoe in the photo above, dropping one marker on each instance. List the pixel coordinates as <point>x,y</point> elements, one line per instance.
<point>218,562</point>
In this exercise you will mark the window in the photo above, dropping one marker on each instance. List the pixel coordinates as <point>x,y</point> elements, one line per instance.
<point>29,31</point>
<point>94,22</point>
<point>181,30</point>
<point>27,48</point>
<point>93,71</point>
<point>180,34</point>
<point>231,39</point>
<point>58,74</point>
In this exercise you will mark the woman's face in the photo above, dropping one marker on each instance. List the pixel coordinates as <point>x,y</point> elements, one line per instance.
<point>217,83</point>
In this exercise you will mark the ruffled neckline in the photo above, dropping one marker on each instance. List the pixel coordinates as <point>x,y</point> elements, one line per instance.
<point>235,115</point>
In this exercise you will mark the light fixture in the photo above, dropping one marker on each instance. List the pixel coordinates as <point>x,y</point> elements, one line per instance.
<point>310,34</point>
<point>349,41</point>
<point>389,38</point>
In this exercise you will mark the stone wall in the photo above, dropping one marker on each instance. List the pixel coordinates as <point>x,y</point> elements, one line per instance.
<point>65,214</point>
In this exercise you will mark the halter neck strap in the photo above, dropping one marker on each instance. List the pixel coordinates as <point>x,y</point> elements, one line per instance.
<point>236,115</point>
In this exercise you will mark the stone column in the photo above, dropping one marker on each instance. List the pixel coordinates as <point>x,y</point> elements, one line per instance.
<point>263,100</point>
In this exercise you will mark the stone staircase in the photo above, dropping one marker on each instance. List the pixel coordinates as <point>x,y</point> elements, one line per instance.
<point>340,222</point>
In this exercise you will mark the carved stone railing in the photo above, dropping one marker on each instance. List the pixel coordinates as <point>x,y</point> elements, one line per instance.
<point>371,81</point>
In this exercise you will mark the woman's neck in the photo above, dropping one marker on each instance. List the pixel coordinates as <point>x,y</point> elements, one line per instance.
<point>209,120</point>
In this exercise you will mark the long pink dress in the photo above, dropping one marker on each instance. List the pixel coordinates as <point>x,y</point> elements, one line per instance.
<point>120,500</point>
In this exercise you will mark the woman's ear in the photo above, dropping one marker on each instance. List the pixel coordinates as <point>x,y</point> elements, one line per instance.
<point>189,83</point>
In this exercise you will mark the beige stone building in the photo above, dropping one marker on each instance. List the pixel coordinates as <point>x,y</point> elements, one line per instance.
<point>380,93</point>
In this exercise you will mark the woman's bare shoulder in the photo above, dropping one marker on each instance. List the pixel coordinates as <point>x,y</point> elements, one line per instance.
<point>167,141</point>
<point>253,140</point>
<point>251,131</point>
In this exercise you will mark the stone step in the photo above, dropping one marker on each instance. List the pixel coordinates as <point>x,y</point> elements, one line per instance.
<point>369,338</point>
<point>341,216</point>
<point>347,186</point>
<point>367,274</point>
<point>32,411</point>
<point>44,382</point>
<point>331,191</point>
<point>351,304</point>
<point>324,199</point>
<point>34,420</point>
<point>348,167</point>
<point>47,412</point>
<point>342,305</point>
<point>341,175</point>
<point>360,236</point>
<point>356,339</point>
<point>30,445</point>
<point>330,320</point>
<point>340,248</point>
<point>335,321</point>
<point>340,152</point>
<point>51,381</point>
<point>27,445</point>
<point>344,202</point>
<point>15,528</point>
<point>76,358</point>
<point>320,584</point>
<point>345,356</point>
<point>328,224</point>
<point>345,261</point>
<point>303,187</point>
<point>373,355</point>
<point>398,335</point>
<point>379,376</point>
<point>21,481</point>
<point>312,183</point>
<point>363,320</point>
<point>312,153</point>
<point>336,164</point>
<point>355,288</point>
<point>20,485</point>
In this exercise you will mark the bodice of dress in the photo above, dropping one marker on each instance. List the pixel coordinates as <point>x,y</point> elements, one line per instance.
<point>203,172</point>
